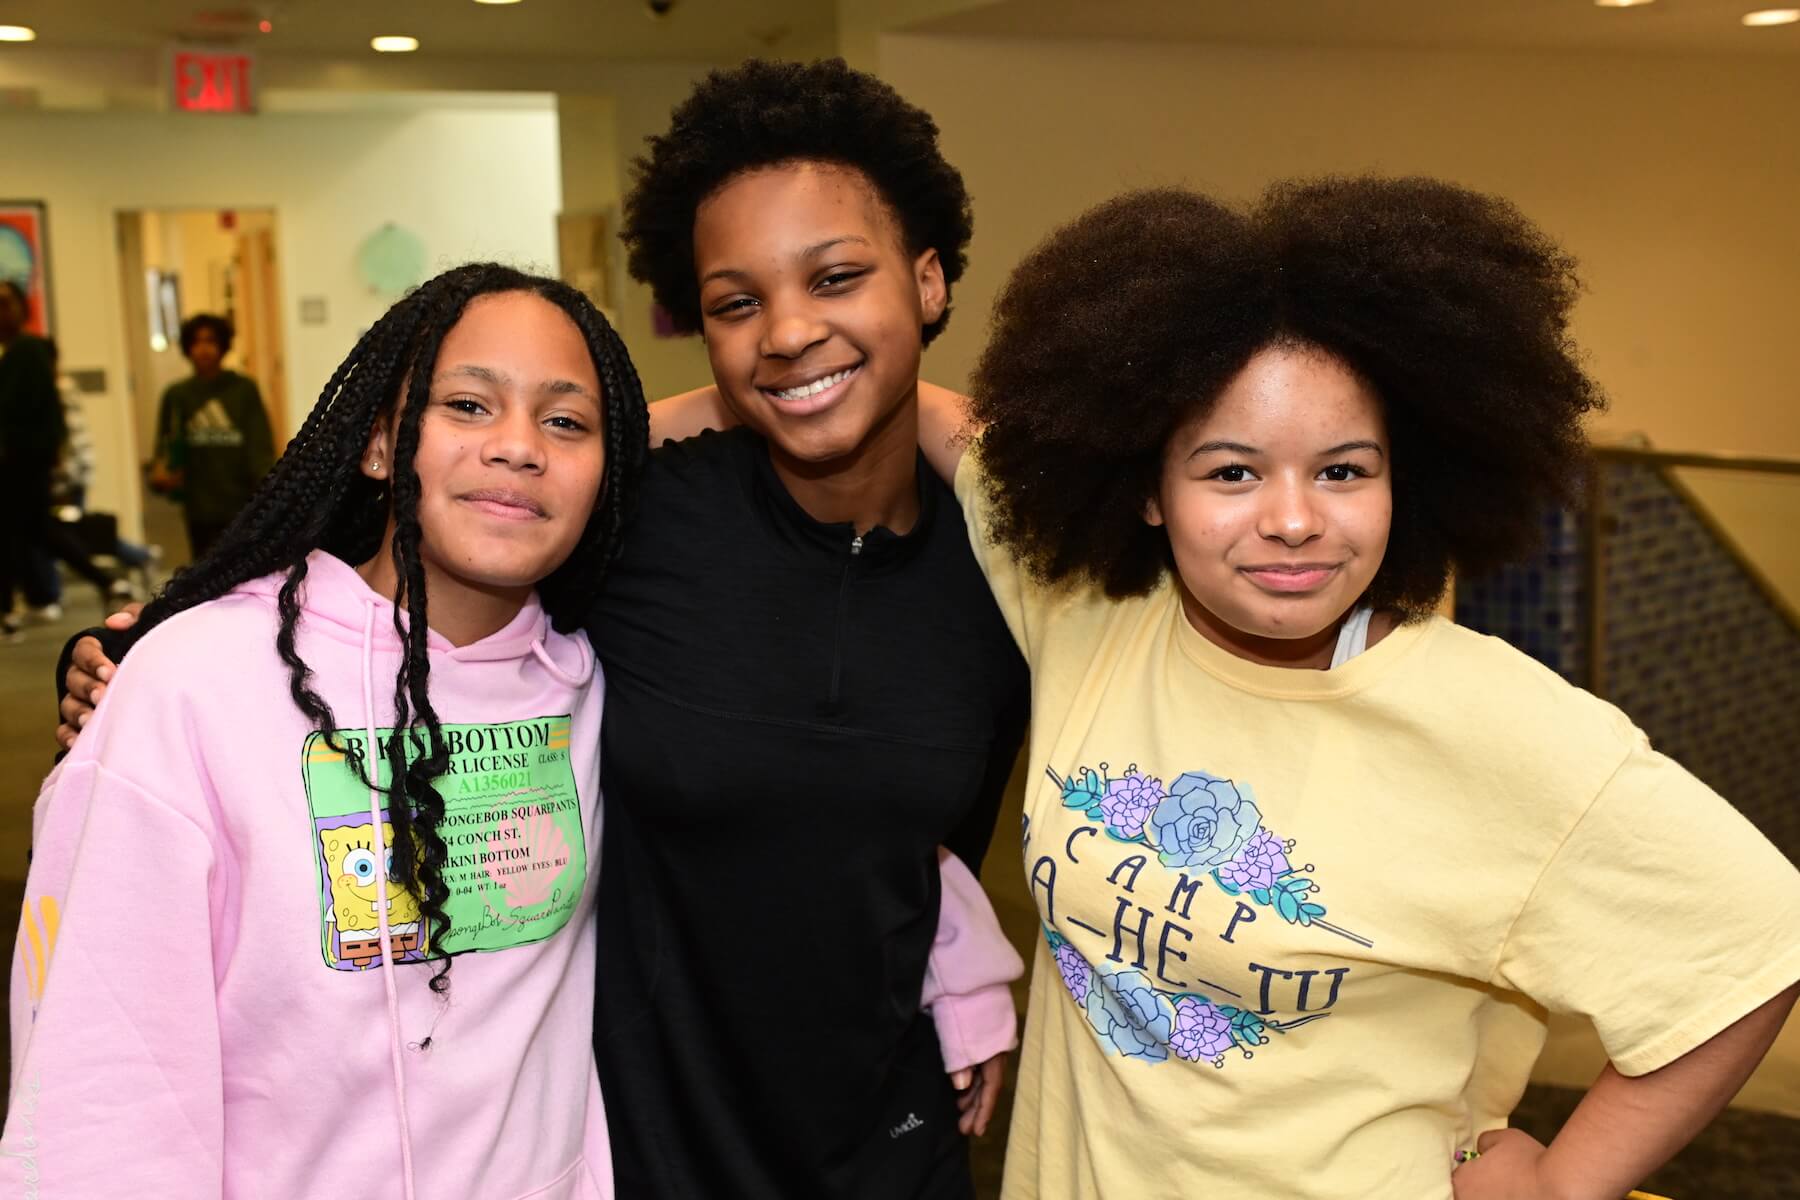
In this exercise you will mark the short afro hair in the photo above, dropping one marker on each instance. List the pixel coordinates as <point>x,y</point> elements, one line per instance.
<point>1130,321</point>
<point>762,114</point>
<point>219,327</point>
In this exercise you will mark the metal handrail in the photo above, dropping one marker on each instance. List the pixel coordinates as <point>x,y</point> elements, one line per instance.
<point>1767,464</point>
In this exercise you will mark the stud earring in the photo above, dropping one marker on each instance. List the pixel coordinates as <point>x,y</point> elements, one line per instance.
<point>375,464</point>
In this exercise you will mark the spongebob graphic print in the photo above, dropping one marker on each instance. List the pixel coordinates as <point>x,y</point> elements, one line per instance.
<point>517,852</point>
<point>353,921</point>
<point>1202,829</point>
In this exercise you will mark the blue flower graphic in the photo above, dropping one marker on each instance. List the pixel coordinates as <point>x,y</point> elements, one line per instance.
<point>1130,1015</point>
<point>1203,822</point>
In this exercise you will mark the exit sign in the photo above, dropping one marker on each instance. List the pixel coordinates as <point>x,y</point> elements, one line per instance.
<point>214,81</point>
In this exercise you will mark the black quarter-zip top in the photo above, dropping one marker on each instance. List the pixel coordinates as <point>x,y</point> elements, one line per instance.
<point>797,716</point>
<point>843,612</point>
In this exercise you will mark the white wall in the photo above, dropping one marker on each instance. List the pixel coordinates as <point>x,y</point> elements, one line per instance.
<point>471,182</point>
<point>602,132</point>
<point>1675,181</point>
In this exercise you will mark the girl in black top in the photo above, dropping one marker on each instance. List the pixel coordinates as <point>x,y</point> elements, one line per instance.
<point>810,687</point>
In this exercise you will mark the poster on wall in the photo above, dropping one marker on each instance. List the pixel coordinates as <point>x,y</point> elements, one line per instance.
<point>24,258</point>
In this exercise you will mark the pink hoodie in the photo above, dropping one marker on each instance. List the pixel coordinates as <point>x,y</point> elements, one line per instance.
<point>966,976</point>
<point>223,1018</point>
<point>201,1002</point>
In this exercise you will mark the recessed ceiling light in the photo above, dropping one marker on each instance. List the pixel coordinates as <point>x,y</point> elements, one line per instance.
<point>496,1</point>
<point>17,33</point>
<point>1772,16</point>
<point>395,44</point>
<point>1623,3</point>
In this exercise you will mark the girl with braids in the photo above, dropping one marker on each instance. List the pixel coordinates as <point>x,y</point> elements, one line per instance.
<point>1311,862</point>
<point>359,735</point>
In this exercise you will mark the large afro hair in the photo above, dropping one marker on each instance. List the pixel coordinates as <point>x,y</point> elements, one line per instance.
<point>1129,322</point>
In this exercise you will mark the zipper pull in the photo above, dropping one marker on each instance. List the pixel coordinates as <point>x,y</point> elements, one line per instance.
<point>856,546</point>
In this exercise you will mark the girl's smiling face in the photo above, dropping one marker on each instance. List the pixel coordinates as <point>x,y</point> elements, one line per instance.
<point>511,454</point>
<point>1277,502</point>
<point>812,307</point>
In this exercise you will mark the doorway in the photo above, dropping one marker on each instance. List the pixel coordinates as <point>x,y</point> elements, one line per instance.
<point>173,264</point>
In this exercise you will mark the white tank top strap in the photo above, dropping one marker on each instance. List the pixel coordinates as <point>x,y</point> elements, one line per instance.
<point>1353,638</point>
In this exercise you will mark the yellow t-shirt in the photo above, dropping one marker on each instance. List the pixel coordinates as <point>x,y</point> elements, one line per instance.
<point>1301,927</point>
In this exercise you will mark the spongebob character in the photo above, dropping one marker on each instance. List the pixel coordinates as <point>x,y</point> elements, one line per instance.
<point>353,933</point>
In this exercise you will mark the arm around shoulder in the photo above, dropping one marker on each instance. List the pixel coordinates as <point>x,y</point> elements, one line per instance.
<point>944,428</point>
<point>689,414</point>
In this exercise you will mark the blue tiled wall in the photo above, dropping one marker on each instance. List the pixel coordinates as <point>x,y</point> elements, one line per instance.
<point>1694,651</point>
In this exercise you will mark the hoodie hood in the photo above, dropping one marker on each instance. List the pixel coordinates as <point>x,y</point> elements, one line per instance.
<point>335,600</point>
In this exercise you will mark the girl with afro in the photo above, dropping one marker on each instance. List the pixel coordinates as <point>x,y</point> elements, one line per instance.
<point>1313,863</point>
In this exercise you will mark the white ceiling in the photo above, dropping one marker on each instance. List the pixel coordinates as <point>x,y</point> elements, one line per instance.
<point>1665,26</point>
<point>726,30</point>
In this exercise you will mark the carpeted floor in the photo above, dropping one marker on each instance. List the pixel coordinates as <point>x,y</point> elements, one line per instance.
<point>1743,1155</point>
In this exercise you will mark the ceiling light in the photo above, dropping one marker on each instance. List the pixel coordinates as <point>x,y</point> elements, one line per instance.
<point>1772,16</point>
<point>266,26</point>
<point>395,45</point>
<point>496,1</point>
<point>1622,3</point>
<point>17,33</point>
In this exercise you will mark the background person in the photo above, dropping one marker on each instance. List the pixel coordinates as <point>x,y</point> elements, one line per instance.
<point>213,441</point>
<point>68,487</point>
<point>31,436</point>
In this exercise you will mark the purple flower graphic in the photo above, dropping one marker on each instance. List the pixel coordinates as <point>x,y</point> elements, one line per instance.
<point>1201,1031</point>
<point>1203,822</point>
<point>1077,976</point>
<point>1258,865</point>
<point>1131,1016</point>
<point>1129,802</point>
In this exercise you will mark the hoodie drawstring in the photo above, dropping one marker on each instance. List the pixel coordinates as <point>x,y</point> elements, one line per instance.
<point>373,760</point>
<point>584,673</point>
